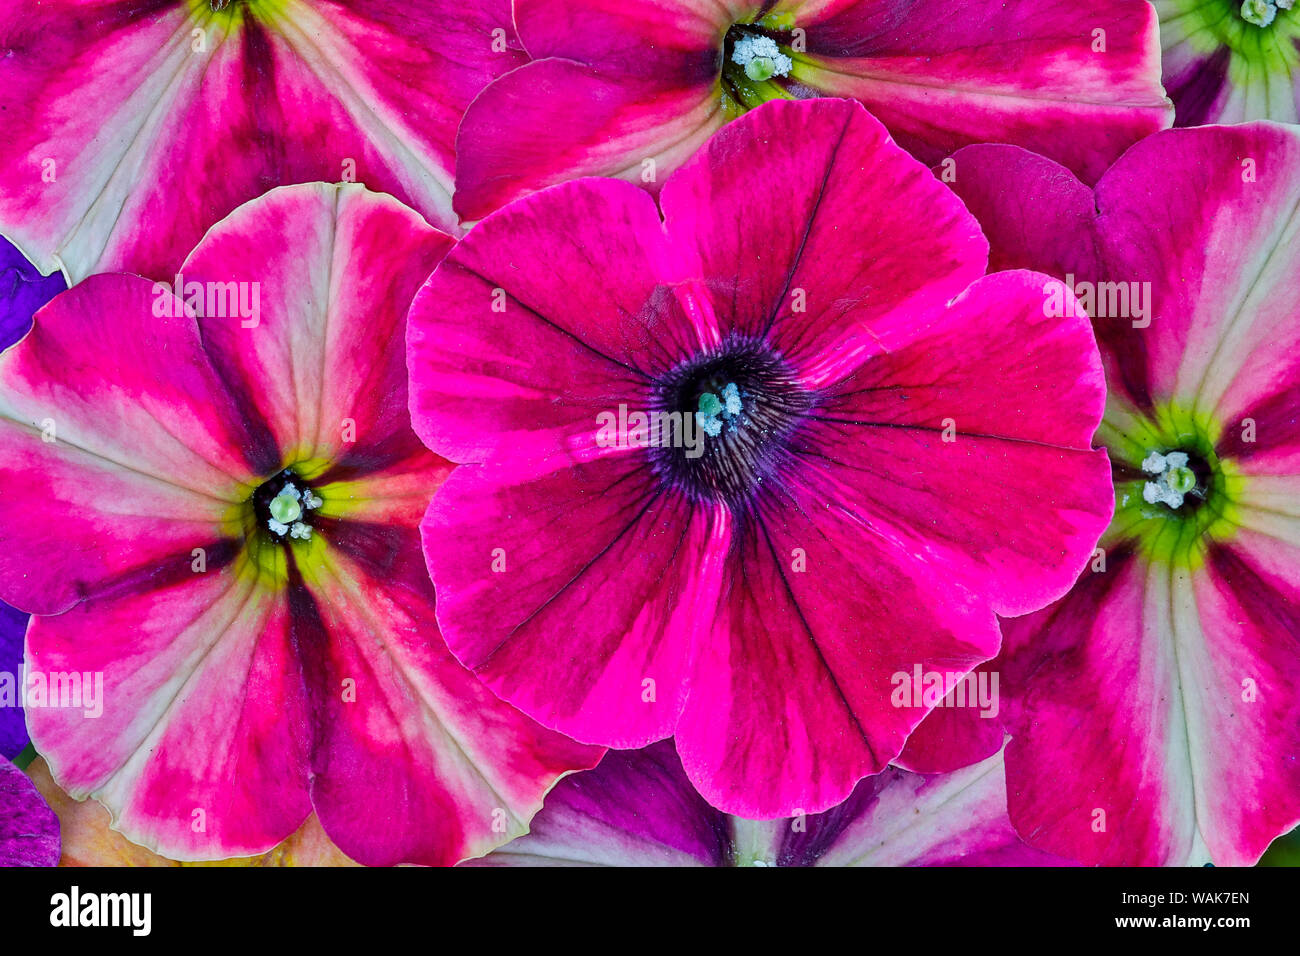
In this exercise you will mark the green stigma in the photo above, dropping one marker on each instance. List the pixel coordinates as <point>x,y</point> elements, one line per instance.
<point>285,507</point>
<point>1182,480</point>
<point>760,68</point>
<point>714,410</point>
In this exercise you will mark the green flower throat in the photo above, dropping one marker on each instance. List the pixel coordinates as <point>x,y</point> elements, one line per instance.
<point>1174,496</point>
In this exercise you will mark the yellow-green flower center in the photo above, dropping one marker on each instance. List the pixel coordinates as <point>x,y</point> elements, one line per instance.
<point>760,60</point>
<point>1174,496</point>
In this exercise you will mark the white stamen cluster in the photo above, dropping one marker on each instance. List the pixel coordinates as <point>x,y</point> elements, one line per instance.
<point>751,48</point>
<point>289,506</point>
<point>731,399</point>
<point>1167,469</point>
<point>1263,12</point>
<point>713,412</point>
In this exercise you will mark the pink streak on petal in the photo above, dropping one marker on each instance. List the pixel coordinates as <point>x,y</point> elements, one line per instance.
<point>335,269</point>
<point>132,466</point>
<point>294,92</point>
<point>457,771</point>
<point>1098,730</point>
<point>200,689</point>
<point>1182,211</point>
<point>1248,785</point>
<point>884,427</point>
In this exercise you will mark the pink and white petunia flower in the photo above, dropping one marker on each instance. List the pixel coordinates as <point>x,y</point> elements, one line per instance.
<point>632,88</point>
<point>1157,706</point>
<point>1230,61</point>
<point>210,502</point>
<point>736,473</point>
<point>637,808</point>
<point>131,126</point>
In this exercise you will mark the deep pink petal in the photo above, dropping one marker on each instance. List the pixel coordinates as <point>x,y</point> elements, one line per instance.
<point>641,37</point>
<point>942,75</point>
<point>554,120</point>
<point>525,563</point>
<point>959,732</point>
<point>797,603</point>
<point>626,89</point>
<point>789,253</point>
<point>795,686</point>
<point>1000,454</point>
<point>554,310</point>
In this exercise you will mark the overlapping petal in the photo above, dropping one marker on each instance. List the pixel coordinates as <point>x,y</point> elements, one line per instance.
<point>638,809</point>
<point>632,89</point>
<point>1155,713</point>
<point>943,75</point>
<point>198,110</point>
<point>518,352</point>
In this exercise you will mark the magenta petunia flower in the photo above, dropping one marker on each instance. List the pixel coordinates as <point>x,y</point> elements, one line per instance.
<point>215,518</point>
<point>1228,61</point>
<point>133,125</point>
<point>1157,706</point>
<point>852,449</point>
<point>29,830</point>
<point>637,808</point>
<point>632,88</point>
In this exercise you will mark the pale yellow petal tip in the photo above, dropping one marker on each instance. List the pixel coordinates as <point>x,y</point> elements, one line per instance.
<point>89,840</point>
